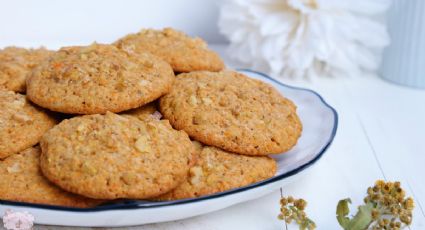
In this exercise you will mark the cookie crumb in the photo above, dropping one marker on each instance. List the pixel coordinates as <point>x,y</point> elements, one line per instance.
<point>15,168</point>
<point>196,175</point>
<point>142,144</point>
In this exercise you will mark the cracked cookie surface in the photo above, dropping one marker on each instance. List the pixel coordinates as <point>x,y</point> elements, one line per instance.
<point>21,180</point>
<point>98,78</point>
<point>185,54</point>
<point>15,65</point>
<point>217,171</point>
<point>112,156</point>
<point>231,111</point>
<point>21,123</point>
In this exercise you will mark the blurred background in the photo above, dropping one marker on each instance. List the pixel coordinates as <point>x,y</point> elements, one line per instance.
<point>283,38</point>
<point>59,23</point>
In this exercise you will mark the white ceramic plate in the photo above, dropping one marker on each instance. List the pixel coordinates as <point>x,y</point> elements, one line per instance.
<point>319,121</point>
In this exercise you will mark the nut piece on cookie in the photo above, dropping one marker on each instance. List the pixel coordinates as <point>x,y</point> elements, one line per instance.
<point>217,171</point>
<point>148,111</point>
<point>21,123</point>
<point>113,156</point>
<point>22,180</point>
<point>16,63</point>
<point>185,54</point>
<point>98,78</point>
<point>233,112</point>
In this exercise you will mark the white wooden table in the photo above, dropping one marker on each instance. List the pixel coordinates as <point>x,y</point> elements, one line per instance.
<point>381,135</point>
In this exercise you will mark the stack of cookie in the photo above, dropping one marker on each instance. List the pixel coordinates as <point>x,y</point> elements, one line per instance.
<point>88,129</point>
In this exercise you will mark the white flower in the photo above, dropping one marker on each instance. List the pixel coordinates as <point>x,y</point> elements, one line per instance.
<point>306,37</point>
<point>18,220</point>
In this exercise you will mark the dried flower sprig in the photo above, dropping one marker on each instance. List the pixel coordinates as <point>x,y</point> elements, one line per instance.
<point>385,207</point>
<point>15,220</point>
<point>292,210</point>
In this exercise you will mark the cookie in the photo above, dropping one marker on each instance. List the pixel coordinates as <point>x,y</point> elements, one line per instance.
<point>217,171</point>
<point>112,156</point>
<point>233,112</point>
<point>185,54</point>
<point>145,112</point>
<point>21,180</point>
<point>21,123</point>
<point>98,78</point>
<point>16,63</point>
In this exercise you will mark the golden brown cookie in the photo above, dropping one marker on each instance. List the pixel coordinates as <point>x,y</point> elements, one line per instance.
<point>98,78</point>
<point>217,171</point>
<point>21,123</point>
<point>21,180</point>
<point>16,63</point>
<point>112,156</point>
<point>185,54</point>
<point>233,112</point>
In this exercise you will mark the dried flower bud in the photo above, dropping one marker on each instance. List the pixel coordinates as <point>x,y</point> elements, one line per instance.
<point>386,207</point>
<point>290,199</point>
<point>292,210</point>
<point>18,220</point>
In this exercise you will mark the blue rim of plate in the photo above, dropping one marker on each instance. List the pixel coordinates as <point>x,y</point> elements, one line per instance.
<point>140,204</point>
